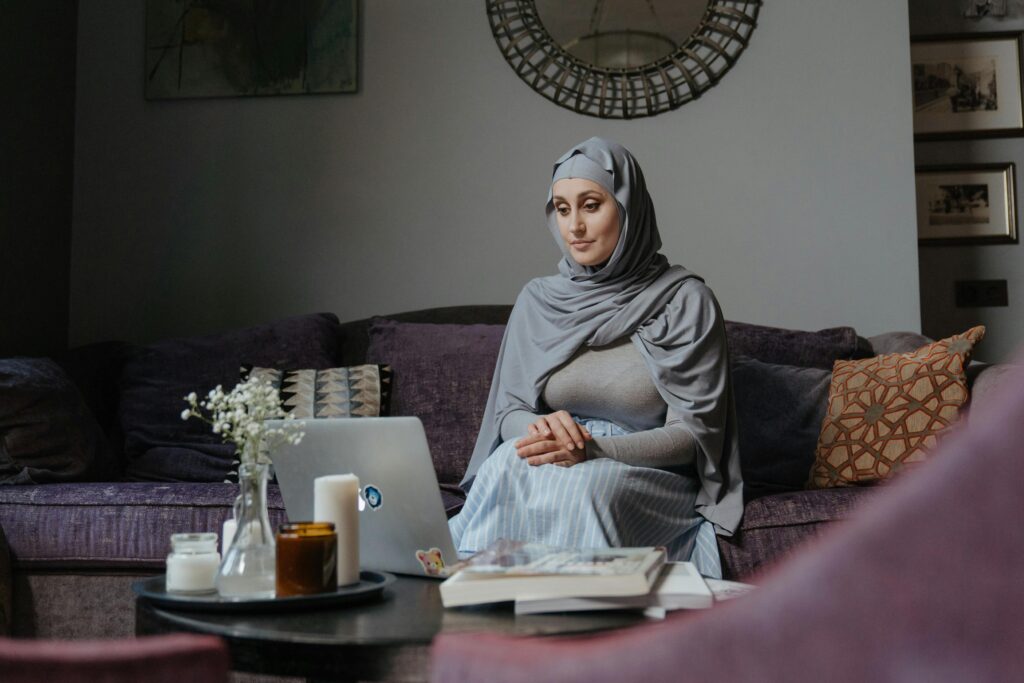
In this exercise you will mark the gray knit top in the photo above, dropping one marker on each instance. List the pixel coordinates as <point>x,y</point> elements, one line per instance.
<point>612,383</point>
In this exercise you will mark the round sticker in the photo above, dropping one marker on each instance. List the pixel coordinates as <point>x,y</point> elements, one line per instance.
<point>372,496</point>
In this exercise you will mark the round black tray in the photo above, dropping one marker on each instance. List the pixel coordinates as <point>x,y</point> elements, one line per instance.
<point>370,587</point>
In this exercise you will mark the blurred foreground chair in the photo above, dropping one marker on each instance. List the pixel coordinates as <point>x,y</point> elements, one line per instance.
<point>175,658</point>
<point>922,585</point>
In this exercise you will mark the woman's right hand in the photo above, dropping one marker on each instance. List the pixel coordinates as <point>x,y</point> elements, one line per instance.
<point>562,428</point>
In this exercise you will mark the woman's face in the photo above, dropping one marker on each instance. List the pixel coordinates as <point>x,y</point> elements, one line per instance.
<point>588,220</point>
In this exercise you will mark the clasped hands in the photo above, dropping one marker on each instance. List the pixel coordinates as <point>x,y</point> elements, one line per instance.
<point>554,439</point>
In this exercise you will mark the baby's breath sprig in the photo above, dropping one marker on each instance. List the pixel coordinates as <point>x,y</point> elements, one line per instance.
<point>238,417</point>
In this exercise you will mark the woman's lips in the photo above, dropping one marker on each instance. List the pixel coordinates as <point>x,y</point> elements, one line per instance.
<point>582,244</point>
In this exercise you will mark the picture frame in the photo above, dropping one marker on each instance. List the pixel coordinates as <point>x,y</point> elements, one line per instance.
<point>227,48</point>
<point>966,204</point>
<point>967,86</point>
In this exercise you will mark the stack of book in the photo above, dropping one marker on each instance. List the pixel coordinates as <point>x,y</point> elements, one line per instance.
<point>545,579</point>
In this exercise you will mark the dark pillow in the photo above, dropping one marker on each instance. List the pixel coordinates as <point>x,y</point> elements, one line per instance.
<point>47,433</point>
<point>159,445</point>
<point>779,411</point>
<point>795,347</point>
<point>442,375</point>
<point>96,371</point>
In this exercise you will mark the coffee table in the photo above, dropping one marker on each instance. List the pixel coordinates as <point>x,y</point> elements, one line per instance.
<point>383,640</point>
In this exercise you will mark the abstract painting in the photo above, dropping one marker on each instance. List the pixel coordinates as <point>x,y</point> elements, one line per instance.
<point>229,48</point>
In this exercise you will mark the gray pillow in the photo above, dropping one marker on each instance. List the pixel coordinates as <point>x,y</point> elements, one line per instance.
<point>779,410</point>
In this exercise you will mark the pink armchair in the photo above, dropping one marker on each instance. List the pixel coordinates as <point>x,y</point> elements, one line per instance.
<point>160,659</point>
<point>924,584</point>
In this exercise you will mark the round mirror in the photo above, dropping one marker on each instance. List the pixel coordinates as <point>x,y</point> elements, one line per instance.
<point>621,58</point>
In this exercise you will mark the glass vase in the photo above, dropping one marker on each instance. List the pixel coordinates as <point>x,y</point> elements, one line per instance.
<point>247,571</point>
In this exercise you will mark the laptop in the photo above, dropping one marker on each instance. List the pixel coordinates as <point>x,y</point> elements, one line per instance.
<point>402,523</point>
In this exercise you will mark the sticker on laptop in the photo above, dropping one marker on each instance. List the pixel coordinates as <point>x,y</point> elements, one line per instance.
<point>431,561</point>
<point>371,494</point>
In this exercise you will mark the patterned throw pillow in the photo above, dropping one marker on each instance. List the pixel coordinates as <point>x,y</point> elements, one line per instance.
<point>356,391</point>
<point>887,412</point>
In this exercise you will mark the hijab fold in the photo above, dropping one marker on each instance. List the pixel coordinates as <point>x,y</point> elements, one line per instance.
<point>667,311</point>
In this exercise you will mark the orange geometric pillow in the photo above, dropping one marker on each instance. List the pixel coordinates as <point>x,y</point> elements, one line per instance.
<point>886,412</point>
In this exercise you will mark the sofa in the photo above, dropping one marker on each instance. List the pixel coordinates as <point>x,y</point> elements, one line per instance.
<point>101,470</point>
<point>919,587</point>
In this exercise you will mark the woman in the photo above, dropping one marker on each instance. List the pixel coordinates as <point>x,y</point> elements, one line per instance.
<point>610,419</point>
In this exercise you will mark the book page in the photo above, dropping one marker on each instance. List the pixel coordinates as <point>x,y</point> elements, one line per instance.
<point>519,558</point>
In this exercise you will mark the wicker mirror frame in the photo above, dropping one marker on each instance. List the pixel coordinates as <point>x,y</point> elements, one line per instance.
<point>622,93</point>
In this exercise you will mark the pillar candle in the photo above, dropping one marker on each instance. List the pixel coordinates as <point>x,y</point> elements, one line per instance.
<point>227,534</point>
<point>336,499</point>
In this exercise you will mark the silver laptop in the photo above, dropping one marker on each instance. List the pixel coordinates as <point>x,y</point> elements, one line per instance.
<point>402,523</point>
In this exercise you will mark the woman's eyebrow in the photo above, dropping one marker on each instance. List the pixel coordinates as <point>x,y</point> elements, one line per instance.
<point>585,194</point>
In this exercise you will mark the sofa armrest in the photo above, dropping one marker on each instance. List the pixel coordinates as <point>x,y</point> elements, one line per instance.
<point>898,342</point>
<point>985,381</point>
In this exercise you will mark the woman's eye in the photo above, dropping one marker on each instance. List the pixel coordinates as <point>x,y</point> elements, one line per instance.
<point>592,206</point>
<point>563,210</point>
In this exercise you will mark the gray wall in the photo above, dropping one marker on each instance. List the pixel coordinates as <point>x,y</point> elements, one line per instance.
<point>940,267</point>
<point>789,186</point>
<point>37,79</point>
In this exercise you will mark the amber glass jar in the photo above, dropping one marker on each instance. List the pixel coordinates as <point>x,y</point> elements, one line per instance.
<point>307,558</point>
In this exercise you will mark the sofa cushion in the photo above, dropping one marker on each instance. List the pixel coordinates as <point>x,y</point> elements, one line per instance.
<point>47,434</point>
<point>158,444</point>
<point>442,374</point>
<point>887,412</point>
<point>779,409</point>
<point>776,524</point>
<point>126,525</point>
<point>355,334</point>
<point>795,347</point>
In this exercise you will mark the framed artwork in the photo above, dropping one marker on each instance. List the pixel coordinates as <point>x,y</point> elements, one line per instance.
<point>975,9</point>
<point>967,86</point>
<point>231,48</point>
<point>972,204</point>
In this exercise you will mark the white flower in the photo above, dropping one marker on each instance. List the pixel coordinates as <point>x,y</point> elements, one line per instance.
<point>238,416</point>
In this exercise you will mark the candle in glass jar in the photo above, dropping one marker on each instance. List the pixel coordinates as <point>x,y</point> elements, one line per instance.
<point>193,563</point>
<point>336,500</point>
<point>306,558</point>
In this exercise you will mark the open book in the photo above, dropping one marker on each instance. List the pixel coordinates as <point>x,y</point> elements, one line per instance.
<point>508,570</point>
<point>679,586</point>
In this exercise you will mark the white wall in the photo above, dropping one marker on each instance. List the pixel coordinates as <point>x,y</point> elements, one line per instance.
<point>789,186</point>
<point>941,267</point>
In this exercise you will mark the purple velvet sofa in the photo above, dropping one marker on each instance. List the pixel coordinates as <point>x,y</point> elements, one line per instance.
<point>102,470</point>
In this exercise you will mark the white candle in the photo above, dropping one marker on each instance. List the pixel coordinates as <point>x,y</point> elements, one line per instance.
<point>192,573</point>
<point>193,563</point>
<point>336,499</point>
<point>227,534</point>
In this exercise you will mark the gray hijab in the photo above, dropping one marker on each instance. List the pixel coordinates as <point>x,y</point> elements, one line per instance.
<point>668,313</point>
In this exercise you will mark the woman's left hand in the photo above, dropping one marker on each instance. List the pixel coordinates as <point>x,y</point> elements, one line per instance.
<point>544,449</point>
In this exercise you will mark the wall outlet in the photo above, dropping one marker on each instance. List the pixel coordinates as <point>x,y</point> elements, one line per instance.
<point>979,293</point>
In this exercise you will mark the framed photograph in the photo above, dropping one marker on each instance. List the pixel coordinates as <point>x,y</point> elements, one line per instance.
<point>967,86</point>
<point>972,204</point>
<point>232,48</point>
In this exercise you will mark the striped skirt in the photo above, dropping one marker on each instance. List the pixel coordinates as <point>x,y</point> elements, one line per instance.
<point>599,503</point>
